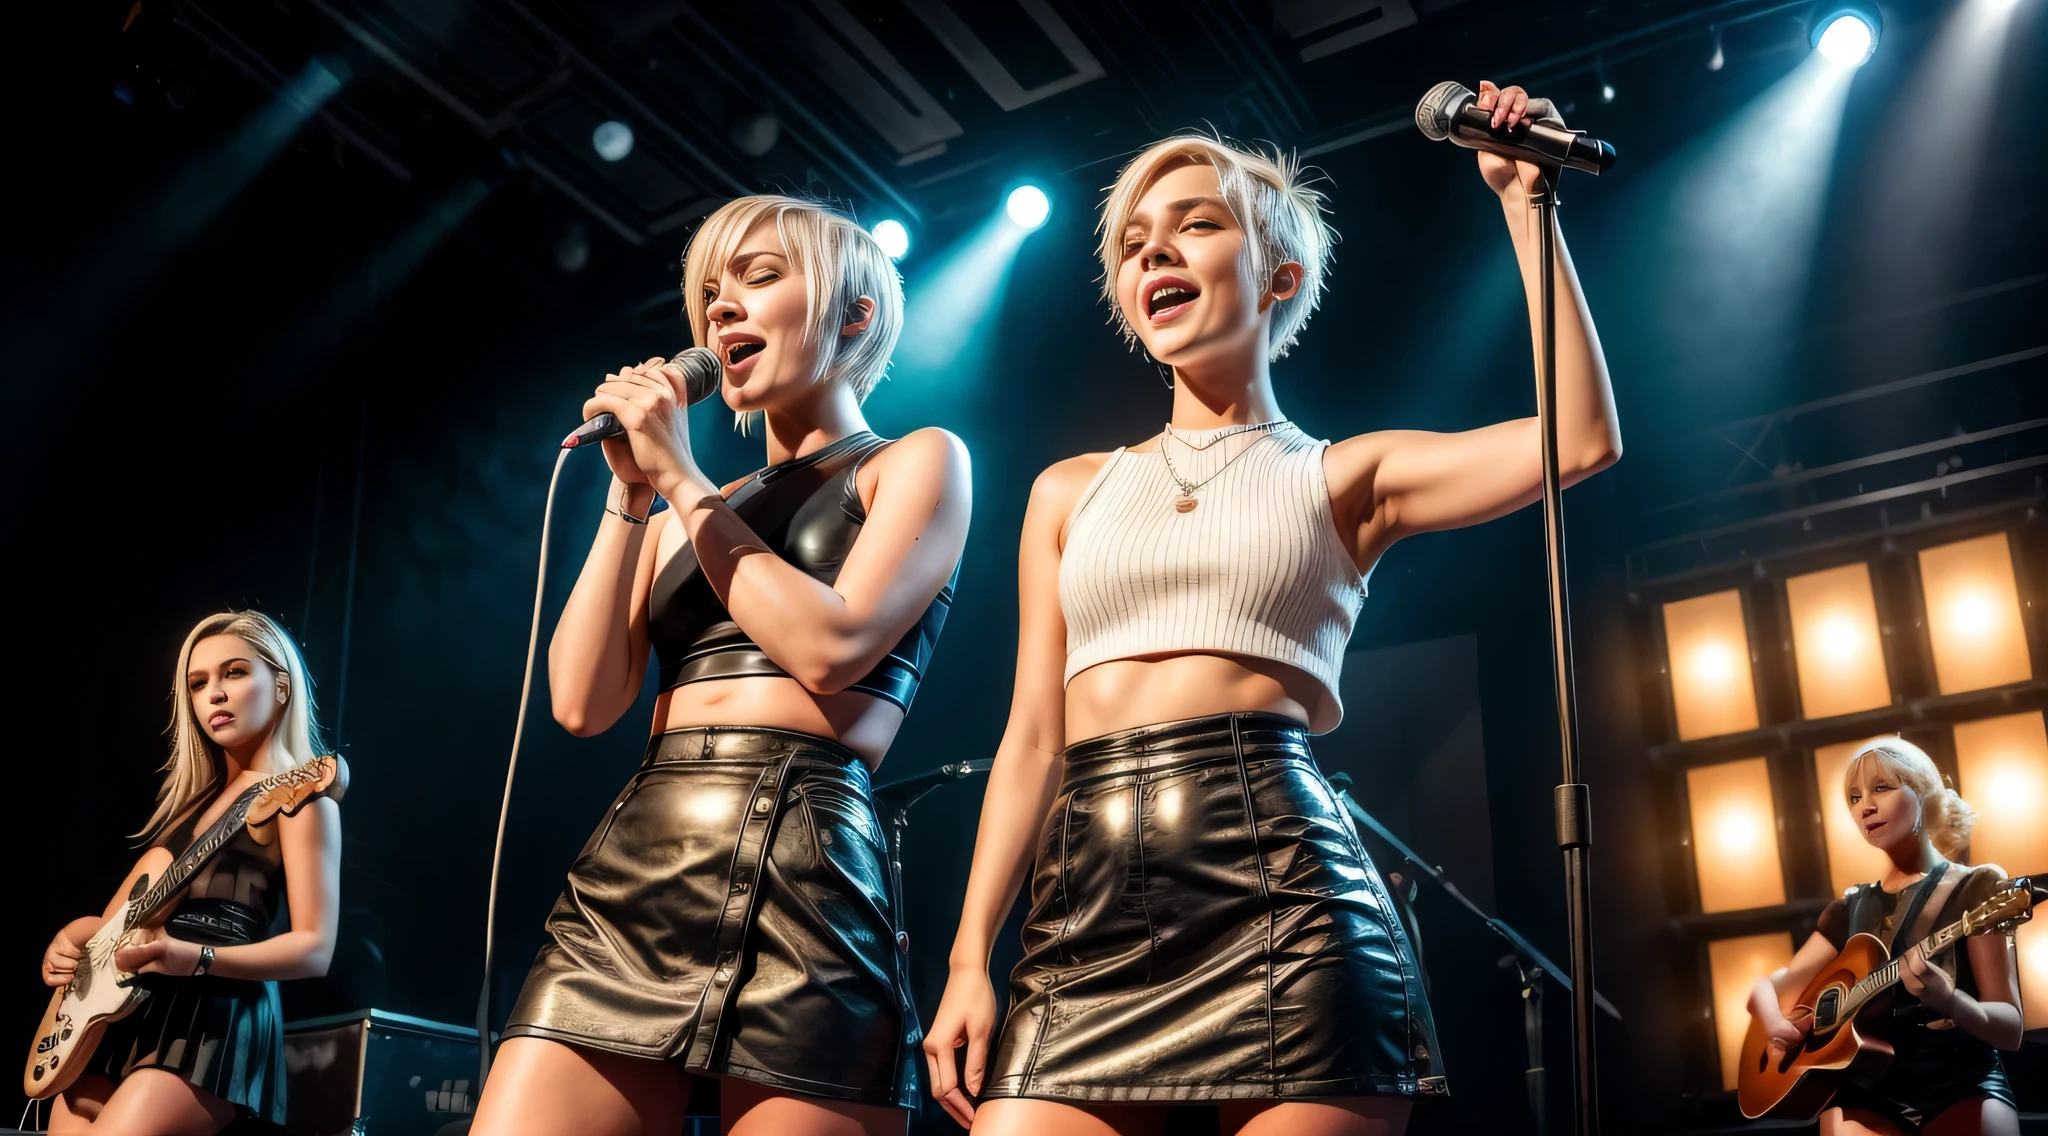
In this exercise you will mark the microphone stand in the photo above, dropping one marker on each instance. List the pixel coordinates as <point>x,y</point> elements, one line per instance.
<point>1572,802</point>
<point>1529,963</point>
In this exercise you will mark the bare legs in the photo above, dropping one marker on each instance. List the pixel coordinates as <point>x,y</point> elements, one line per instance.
<point>147,1102</point>
<point>1341,1116</point>
<point>545,1088</point>
<point>1978,1116</point>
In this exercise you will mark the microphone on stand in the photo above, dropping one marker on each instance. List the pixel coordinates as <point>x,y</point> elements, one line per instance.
<point>1449,113</point>
<point>702,370</point>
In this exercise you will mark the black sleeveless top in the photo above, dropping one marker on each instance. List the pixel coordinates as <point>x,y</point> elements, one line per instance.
<point>808,511</point>
<point>234,898</point>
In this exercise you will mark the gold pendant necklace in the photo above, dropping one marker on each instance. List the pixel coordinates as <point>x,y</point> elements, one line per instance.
<point>1186,500</point>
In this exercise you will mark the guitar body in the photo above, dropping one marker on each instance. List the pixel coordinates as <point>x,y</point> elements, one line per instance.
<point>79,1013</point>
<point>1798,1085</point>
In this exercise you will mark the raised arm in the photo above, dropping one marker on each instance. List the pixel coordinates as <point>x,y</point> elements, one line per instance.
<point>598,655</point>
<point>1020,792</point>
<point>1391,484</point>
<point>828,635</point>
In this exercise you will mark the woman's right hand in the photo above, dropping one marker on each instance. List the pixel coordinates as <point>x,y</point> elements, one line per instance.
<point>1786,1035</point>
<point>618,450</point>
<point>966,1017</point>
<point>61,960</point>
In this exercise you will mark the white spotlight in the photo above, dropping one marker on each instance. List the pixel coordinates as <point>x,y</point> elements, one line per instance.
<point>612,140</point>
<point>1846,41</point>
<point>894,239</point>
<point>1028,206</point>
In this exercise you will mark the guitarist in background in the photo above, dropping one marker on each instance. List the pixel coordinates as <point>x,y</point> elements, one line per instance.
<point>207,1045</point>
<point>1946,1079</point>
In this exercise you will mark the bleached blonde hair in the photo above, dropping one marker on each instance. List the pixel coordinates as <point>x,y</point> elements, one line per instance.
<point>1947,816</point>
<point>840,263</point>
<point>295,741</point>
<point>1269,195</point>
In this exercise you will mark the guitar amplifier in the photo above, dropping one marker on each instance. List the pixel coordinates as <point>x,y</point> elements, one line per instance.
<point>374,1073</point>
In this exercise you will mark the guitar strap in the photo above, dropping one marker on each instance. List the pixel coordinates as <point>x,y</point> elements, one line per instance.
<point>1902,927</point>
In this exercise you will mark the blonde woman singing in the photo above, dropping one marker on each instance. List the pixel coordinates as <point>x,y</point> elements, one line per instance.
<point>207,1046</point>
<point>733,916</point>
<point>1204,926</point>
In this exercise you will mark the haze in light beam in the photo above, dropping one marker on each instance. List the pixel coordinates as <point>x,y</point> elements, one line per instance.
<point>947,311</point>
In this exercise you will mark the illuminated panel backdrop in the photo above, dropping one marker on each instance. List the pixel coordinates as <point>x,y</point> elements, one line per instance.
<point>2002,770</point>
<point>1835,642</point>
<point>1735,835</point>
<point>1708,645</point>
<point>1735,965</point>
<point>1973,614</point>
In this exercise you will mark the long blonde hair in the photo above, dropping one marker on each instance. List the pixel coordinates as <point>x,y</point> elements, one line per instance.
<point>190,772</point>
<point>1270,195</point>
<point>1947,816</point>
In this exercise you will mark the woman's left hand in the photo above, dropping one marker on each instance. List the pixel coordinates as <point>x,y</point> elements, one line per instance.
<point>1511,106</point>
<point>154,951</point>
<point>1927,982</point>
<point>646,403</point>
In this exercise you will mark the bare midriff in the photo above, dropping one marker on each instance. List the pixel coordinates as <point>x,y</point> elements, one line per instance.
<point>862,723</point>
<point>1125,693</point>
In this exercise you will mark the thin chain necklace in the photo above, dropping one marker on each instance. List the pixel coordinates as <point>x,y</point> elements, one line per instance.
<point>1186,501</point>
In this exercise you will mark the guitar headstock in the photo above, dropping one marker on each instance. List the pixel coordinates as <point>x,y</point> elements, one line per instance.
<point>2011,906</point>
<point>286,793</point>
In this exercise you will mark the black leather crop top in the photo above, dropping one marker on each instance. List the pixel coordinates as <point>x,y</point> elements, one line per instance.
<point>808,511</point>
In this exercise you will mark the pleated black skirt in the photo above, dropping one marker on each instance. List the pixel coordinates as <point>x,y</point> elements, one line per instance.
<point>1204,925</point>
<point>222,1035</point>
<point>734,913</point>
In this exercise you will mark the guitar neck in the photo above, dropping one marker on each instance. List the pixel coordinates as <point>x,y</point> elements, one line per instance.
<point>1883,977</point>
<point>174,879</point>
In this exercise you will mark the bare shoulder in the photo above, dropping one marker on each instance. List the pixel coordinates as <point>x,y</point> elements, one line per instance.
<point>315,815</point>
<point>1059,485</point>
<point>930,450</point>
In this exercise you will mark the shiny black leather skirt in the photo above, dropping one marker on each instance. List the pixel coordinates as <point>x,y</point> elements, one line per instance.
<point>224,1036</point>
<point>735,913</point>
<point>1205,926</point>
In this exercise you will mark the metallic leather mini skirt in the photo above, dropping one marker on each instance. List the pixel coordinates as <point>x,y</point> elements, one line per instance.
<point>1205,926</point>
<point>735,913</point>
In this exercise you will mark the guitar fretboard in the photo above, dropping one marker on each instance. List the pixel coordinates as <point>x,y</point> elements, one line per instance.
<point>1884,976</point>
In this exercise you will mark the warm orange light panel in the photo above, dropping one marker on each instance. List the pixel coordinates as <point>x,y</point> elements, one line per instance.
<point>1850,860</point>
<point>2033,951</point>
<point>1735,965</point>
<point>1973,614</point>
<point>1708,648</point>
<point>2002,770</point>
<point>1735,835</point>
<point>1835,643</point>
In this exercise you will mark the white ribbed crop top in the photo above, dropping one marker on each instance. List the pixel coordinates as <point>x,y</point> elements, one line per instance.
<point>1257,568</point>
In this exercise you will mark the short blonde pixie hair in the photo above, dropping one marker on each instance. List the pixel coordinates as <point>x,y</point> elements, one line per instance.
<point>840,262</point>
<point>1281,214</point>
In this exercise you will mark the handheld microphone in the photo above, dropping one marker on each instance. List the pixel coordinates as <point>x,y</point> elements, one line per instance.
<point>701,370</point>
<point>1449,113</point>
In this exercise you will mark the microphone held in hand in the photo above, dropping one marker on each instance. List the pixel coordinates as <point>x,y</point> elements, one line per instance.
<point>701,370</point>
<point>1450,113</point>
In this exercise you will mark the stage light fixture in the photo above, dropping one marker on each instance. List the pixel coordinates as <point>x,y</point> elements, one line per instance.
<point>1719,58</point>
<point>2002,770</point>
<point>1851,859</point>
<point>1707,645</point>
<point>1836,647</point>
<point>2032,943</point>
<point>1028,206</point>
<point>893,237</point>
<point>1973,614</point>
<point>1845,32</point>
<point>1734,965</point>
<point>612,140</point>
<point>1735,836</point>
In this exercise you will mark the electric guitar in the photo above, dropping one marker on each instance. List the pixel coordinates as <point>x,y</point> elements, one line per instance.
<point>1848,1004</point>
<point>99,992</point>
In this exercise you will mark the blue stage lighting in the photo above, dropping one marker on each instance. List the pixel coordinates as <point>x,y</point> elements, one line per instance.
<point>894,238</point>
<point>612,140</point>
<point>1028,206</point>
<point>1845,34</point>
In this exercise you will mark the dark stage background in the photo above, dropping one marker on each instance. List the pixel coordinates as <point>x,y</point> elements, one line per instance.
<point>334,394</point>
